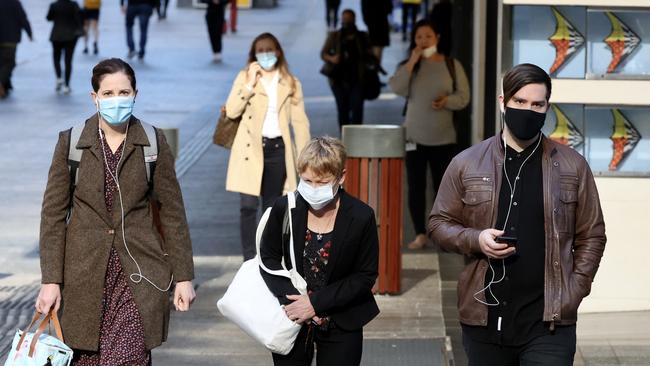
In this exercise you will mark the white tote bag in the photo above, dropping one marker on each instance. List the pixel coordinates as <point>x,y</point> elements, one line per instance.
<point>249,303</point>
<point>38,349</point>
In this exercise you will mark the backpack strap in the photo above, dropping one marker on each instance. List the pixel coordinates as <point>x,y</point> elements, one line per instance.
<point>151,151</point>
<point>451,67</point>
<point>74,154</point>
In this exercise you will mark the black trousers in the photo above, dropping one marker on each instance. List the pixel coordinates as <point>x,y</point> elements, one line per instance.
<point>437,158</point>
<point>214,17</point>
<point>336,347</point>
<point>7,65</point>
<point>412,10</point>
<point>349,102</point>
<point>557,349</point>
<point>332,12</point>
<point>273,177</point>
<point>162,8</point>
<point>67,50</point>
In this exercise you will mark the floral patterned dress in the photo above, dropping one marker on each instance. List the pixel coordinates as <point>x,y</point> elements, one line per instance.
<point>315,259</point>
<point>121,339</point>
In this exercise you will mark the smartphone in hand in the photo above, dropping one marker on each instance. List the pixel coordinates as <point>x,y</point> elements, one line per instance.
<point>510,240</point>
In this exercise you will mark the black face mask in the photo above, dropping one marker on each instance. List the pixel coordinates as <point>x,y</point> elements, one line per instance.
<point>524,123</point>
<point>348,27</point>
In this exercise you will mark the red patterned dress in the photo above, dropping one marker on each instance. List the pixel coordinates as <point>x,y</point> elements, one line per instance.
<point>121,339</point>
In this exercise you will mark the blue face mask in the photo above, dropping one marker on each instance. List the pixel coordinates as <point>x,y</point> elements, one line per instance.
<point>267,60</point>
<point>116,110</point>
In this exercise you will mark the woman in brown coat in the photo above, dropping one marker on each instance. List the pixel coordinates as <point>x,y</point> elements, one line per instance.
<point>106,265</point>
<point>262,161</point>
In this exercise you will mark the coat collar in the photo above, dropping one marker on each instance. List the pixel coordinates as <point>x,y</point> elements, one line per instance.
<point>548,146</point>
<point>89,138</point>
<point>284,89</point>
<point>341,226</point>
<point>90,133</point>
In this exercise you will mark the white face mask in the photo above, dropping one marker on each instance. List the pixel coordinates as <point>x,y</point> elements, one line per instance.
<point>318,197</point>
<point>428,52</point>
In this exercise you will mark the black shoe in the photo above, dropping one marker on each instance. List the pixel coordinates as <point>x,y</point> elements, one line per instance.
<point>95,49</point>
<point>85,50</point>
<point>140,56</point>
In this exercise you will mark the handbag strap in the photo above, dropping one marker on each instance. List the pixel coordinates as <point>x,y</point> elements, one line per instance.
<point>291,200</point>
<point>258,239</point>
<point>36,316</point>
<point>52,317</point>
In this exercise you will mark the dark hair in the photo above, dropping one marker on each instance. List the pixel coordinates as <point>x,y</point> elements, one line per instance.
<point>421,24</point>
<point>522,75</point>
<point>111,66</point>
<point>351,12</point>
<point>282,64</point>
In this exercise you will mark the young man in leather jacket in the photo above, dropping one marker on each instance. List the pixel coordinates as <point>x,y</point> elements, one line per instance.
<point>524,210</point>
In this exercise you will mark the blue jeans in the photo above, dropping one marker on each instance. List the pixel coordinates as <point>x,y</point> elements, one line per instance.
<point>143,13</point>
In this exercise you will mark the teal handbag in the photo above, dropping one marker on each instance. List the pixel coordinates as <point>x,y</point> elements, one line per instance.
<point>39,349</point>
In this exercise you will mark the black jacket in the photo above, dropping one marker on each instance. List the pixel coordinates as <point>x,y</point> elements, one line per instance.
<point>66,16</point>
<point>352,269</point>
<point>154,3</point>
<point>12,21</point>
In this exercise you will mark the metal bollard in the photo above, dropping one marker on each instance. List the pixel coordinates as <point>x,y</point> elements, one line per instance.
<point>374,175</point>
<point>171,135</point>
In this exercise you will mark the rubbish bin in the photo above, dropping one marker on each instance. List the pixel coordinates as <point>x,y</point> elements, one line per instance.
<point>374,175</point>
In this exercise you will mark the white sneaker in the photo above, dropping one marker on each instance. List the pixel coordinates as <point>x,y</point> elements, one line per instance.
<point>66,90</point>
<point>217,58</point>
<point>59,85</point>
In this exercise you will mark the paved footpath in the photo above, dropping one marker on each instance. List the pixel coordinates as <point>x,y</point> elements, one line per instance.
<point>179,87</point>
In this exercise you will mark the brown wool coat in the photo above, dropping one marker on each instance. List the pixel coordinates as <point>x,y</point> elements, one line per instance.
<point>76,255</point>
<point>246,164</point>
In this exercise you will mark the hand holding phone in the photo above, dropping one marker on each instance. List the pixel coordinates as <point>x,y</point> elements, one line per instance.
<point>510,240</point>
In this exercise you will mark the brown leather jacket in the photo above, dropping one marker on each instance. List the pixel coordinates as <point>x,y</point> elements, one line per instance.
<point>467,203</point>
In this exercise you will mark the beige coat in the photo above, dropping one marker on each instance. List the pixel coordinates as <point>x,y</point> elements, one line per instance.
<point>75,254</point>
<point>246,163</point>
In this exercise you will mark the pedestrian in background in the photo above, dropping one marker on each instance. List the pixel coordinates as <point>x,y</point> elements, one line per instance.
<point>375,15</point>
<point>161,9</point>
<point>13,21</point>
<point>269,100</point>
<point>214,18</point>
<point>233,16</point>
<point>410,10</point>
<point>142,10</point>
<point>434,89</point>
<point>102,261</point>
<point>337,253</point>
<point>91,23</point>
<point>332,14</point>
<point>67,28</point>
<point>346,53</point>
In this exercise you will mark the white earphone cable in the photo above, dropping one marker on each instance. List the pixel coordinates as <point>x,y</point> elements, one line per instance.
<point>505,223</point>
<point>134,277</point>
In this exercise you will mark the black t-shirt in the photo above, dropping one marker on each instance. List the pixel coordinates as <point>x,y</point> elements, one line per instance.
<point>518,317</point>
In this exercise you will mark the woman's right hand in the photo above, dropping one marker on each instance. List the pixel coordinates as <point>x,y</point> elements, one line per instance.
<point>416,54</point>
<point>253,74</point>
<point>49,297</point>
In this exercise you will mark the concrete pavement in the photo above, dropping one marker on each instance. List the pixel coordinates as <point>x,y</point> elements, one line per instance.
<point>180,87</point>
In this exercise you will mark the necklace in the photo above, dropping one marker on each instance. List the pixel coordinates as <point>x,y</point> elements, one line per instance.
<point>319,234</point>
